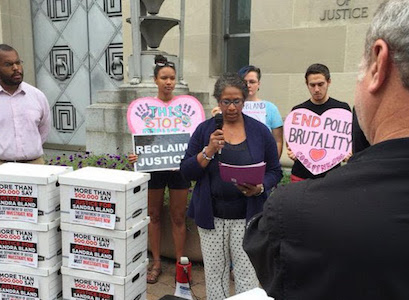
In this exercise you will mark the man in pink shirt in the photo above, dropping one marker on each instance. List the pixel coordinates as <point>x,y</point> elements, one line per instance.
<point>24,113</point>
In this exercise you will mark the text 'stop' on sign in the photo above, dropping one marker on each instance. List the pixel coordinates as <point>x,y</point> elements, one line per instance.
<point>150,115</point>
<point>320,142</point>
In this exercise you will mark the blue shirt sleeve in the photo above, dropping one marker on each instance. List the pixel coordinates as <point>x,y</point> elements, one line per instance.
<point>273,117</point>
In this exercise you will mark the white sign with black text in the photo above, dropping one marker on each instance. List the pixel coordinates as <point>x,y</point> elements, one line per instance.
<point>160,152</point>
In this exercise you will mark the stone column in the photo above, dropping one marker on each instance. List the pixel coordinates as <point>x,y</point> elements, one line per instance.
<point>107,130</point>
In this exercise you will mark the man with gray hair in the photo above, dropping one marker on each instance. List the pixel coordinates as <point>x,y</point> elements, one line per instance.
<point>345,236</point>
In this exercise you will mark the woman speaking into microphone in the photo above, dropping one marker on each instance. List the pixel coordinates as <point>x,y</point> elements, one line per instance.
<point>221,209</point>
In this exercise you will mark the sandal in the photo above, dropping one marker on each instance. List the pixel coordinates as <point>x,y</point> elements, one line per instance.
<point>153,263</point>
<point>153,275</point>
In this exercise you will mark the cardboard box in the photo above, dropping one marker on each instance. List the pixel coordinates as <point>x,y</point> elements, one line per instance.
<point>25,283</point>
<point>30,245</point>
<point>104,198</point>
<point>78,284</point>
<point>30,193</point>
<point>110,252</point>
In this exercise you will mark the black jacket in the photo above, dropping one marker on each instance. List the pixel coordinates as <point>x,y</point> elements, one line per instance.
<point>344,236</point>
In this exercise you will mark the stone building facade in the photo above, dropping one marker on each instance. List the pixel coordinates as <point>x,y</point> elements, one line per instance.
<point>282,38</point>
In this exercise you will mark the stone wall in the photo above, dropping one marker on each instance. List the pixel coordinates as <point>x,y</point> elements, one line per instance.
<point>286,37</point>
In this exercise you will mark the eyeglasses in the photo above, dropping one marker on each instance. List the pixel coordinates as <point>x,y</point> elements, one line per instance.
<point>227,103</point>
<point>18,63</point>
<point>166,64</point>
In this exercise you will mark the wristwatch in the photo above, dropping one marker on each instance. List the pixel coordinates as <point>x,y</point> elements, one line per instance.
<point>205,156</point>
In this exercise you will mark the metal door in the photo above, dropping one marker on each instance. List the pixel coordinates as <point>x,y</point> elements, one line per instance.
<point>78,50</point>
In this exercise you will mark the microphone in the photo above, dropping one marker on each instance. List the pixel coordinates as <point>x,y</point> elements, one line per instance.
<point>218,118</point>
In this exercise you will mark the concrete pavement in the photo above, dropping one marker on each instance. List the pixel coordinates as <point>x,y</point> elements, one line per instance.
<point>166,284</point>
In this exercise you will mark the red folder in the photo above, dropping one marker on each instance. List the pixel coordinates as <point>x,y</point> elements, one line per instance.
<point>251,174</point>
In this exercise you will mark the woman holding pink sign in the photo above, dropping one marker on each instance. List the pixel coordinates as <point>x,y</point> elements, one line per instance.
<point>165,79</point>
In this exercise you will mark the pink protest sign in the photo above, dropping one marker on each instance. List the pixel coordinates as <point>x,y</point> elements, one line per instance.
<point>150,115</point>
<point>319,142</point>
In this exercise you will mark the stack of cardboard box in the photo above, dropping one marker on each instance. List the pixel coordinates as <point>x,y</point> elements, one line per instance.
<point>30,237</point>
<point>104,234</point>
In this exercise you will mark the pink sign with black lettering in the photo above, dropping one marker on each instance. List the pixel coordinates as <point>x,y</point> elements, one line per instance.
<point>150,115</point>
<point>320,142</point>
